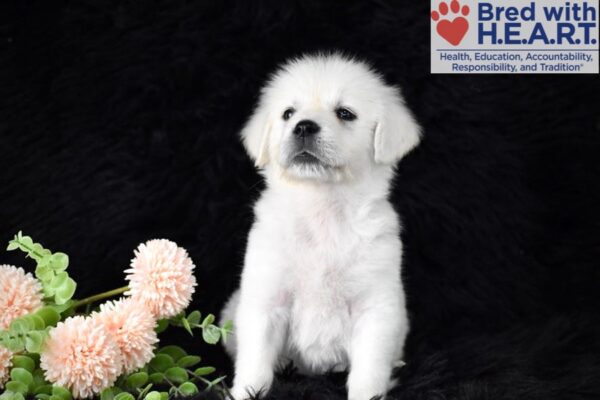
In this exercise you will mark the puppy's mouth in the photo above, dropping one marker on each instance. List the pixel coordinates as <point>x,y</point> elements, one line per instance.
<point>305,157</point>
<point>306,164</point>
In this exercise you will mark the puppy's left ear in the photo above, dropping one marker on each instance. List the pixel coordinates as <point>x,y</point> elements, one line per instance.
<point>396,132</point>
<point>255,136</point>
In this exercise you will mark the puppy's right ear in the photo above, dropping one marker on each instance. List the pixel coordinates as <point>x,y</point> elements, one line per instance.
<point>396,133</point>
<point>255,136</point>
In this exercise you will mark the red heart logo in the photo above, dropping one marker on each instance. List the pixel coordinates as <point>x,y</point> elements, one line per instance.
<point>453,31</point>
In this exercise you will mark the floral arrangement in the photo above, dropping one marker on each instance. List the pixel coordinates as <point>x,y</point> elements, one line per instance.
<point>53,347</point>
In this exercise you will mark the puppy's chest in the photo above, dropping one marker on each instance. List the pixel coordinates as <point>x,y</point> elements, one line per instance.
<point>325,251</point>
<point>322,253</point>
<point>327,237</point>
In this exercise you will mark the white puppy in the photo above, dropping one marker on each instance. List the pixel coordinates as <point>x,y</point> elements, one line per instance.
<point>321,281</point>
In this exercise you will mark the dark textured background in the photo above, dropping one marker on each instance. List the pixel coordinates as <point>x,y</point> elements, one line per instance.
<point>119,121</point>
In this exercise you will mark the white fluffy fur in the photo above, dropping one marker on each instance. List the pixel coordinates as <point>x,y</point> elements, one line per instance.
<point>321,281</point>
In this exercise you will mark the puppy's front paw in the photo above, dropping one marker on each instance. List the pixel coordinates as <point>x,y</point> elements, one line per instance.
<point>366,390</point>
<point>238,393</point>
<point>365,395</point>
<point>246,392</point>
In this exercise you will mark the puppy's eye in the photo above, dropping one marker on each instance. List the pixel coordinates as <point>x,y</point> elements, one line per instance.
<point>344,114</point>
<point>287,114</point>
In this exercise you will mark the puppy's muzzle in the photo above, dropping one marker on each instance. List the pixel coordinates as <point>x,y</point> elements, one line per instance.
<point>306,128</point>
<point>305,144</point>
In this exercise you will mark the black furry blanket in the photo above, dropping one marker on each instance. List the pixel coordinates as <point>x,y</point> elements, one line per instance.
<point>119,123</point>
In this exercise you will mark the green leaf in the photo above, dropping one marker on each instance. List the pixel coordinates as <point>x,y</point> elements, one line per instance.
<point>65,292</point>
<point>137,380</point>
<point>43,389</point>
<point>49,315</point>
<point>44,264</point>
<point>38,249</point>
<point>45,260</point>
<point>188,361</point>
<point>24,362</point>
<point>61,308</point>
<point>5,395</point>
<point>44,274</point>
<point>26,241</point>
<point>59,261</point>
<point>21,325</point>
<point>61,392</point>
<point>124,396</point>
<point>194,317</point>
<point>14,343</point>
<point>164,395</point>
<point>36,359</point>
<point>226,330</point>
<point>176,374</point>
<point>208,320</point>
<point>38,374</point>
<point>59,280</point>
<point>187,327</point>
<point>54,397</point>
<point>48,292</point>
<point>12,245</point>
<point>36,321</point>
<point>8,395</point>
<point>228,326</point>
<point>107,394</point>
<point>16,386</point>
<point>34,341</point>
<point>161,362</point>
<point>204,371</point>
<point>161,325</point>
<point>42,396</point>
<point>157,377</point>
<point>188,388</point>
<point>175,352</point>
<point>145,390</point>
<point>4,335</point>
<point>21,375</point>
<point>30,321</point>
<point>154,395</point>
<point>215,382</point>
<point>211,334</point>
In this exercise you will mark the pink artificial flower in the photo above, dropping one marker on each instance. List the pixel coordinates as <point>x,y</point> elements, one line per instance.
<point>5,365</point>
<point>80,356</point>
<point>161,277</point>
<point>20,294</point>
<point>131,325</point>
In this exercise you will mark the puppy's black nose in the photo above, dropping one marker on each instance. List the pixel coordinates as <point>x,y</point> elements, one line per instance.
<point>306,128</point>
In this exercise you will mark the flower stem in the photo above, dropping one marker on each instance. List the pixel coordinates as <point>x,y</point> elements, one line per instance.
<point>100,296</point>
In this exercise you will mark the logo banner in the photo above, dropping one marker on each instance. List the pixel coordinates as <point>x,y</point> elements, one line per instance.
<point>514,36</point>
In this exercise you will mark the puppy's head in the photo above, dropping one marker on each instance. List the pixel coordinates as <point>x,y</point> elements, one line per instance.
<point>328,118</point>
